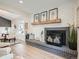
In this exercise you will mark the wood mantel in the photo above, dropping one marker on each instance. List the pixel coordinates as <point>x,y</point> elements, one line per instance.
<point>47,22</point>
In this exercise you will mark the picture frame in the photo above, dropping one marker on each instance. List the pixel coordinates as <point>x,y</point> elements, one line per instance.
<point>26,26</point>
<point>36,17</point>
<point>43,16</point>
<point>53,14</point>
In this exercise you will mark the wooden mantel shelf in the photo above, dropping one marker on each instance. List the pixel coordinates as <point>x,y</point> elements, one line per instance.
<point>47,22</point>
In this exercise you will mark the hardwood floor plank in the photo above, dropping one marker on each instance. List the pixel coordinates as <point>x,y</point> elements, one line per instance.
<point>24,51</point>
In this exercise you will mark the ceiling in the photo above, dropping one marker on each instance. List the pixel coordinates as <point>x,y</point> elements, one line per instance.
<point>31,6</point>
<point>8,15</point>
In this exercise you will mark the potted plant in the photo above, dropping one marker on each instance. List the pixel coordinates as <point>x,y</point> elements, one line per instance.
<point>72,40</point>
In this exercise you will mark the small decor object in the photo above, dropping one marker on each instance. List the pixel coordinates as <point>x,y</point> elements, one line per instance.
<point>43,16</point>
<point>57,40</point>
<point>53,14</point>
<point>36,17</point>
<point>50,39</point>
<point>42,32</point>
<point>72,40</point>
<point>14,26</point>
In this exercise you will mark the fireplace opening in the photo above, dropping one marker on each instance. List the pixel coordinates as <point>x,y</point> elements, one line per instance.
<point>56,36</point>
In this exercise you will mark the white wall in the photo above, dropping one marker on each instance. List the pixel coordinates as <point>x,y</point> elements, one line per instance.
<point>19,21</point>
<point>66,13</point>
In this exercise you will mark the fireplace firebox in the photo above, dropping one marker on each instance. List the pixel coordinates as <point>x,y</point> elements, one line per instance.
<point>56,36</point>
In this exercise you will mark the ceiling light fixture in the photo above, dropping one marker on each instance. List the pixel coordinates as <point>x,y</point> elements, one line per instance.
<point>21,1</point>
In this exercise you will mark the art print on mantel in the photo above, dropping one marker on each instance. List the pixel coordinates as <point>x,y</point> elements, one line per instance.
<point>53,14</point>
<point>36,18</point>
<point>43,16</point>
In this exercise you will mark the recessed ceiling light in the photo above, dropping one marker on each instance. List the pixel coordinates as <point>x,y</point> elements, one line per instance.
<point>20,1</point>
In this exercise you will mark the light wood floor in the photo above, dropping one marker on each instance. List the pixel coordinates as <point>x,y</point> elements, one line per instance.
<point>23,51</point>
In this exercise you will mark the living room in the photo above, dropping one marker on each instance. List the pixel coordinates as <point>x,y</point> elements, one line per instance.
<point>51,26</point>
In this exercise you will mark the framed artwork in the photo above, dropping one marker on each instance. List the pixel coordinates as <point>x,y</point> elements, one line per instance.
<point>53,14</point>
<point>36,17</point>
<point>43,16</point>
<point>26,26</point>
